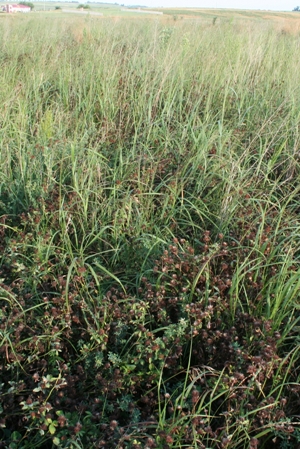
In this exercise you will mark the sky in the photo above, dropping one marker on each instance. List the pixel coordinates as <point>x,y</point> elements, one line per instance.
<point>274,5</point>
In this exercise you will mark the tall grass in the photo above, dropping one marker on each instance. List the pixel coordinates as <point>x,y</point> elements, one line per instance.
<point>149,202</point>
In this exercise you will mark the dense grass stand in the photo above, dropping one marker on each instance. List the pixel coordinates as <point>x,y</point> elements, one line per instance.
<point>149,233</point>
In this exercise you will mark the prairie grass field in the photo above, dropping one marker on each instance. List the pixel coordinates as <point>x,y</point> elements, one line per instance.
<point>149,232</point>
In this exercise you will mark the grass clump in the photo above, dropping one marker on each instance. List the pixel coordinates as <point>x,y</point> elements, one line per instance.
<point>149,235</point>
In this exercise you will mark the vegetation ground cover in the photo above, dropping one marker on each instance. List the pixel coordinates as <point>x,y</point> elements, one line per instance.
<point>149,234</point>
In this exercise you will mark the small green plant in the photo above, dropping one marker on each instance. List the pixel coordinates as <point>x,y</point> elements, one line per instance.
<point>165,35</point>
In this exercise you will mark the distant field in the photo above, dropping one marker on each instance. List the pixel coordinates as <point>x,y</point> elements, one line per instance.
<point>176,13</point>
